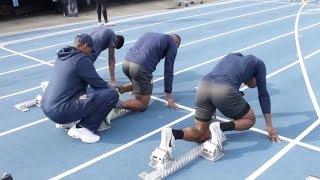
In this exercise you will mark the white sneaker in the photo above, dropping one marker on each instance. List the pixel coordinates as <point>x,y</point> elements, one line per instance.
<point>100,23</point>
<point>217,136</point>
<point>110,24</point>
<point>84,134</point>
<point>167,141</point>
<point>65,126</point>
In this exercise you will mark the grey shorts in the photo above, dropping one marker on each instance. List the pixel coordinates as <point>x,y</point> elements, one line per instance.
<point>140,78</point>
<point>228,101</point>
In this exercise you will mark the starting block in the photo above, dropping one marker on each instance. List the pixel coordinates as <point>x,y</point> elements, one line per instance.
<point>33,102</point>
<point>27,104</point>
<point>160,159</point>
<point>165,166</point>
<point>211,151</point>
<point>114,113</point>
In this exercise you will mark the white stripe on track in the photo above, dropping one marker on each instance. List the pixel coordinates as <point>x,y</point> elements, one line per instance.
<point>138,27</point>
<point>218,35</point>
<point>119,21</point>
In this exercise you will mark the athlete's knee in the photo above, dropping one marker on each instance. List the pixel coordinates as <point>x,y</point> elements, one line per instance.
<point>143,107</point>
<point>143,102</point>
<point>251,117</point>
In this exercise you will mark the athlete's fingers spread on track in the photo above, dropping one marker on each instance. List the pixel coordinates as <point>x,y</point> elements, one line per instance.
<point>174,106</point>
<point>274,138</point>
<point>273,135</point>
<point>278,139</point>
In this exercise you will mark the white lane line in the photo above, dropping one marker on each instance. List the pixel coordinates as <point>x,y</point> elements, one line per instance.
<point>218,35</point>
<point>240,16</point>
<point>138,27</point>
<point>302,65</point>
<point>244,28</point>
<point>20,92</point>
<point>109,153</point>
<point>279,155</point>
<point>118,21</point>
<point>282,152</point>
<point>23,127</point>
<point>32,50</point>
<point>26,56</point>
<point>24,68</point>
<point>83,22</point>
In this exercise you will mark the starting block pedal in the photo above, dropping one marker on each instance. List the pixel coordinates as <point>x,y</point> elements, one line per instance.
<point>160,159</point>
<point>208,150</point>
<point>211,151</point>
<point>114,113</point>
<point>27,104</point>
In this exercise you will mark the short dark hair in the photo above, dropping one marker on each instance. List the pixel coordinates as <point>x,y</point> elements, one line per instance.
<point>177,37</point>
<point>120,41</point>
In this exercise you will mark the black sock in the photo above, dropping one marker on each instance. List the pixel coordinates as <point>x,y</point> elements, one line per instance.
<point>227,126</point>
<point>177,133</point>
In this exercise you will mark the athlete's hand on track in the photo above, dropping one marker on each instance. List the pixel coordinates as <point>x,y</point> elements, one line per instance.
<point>171,104</point>
<point>273,135</point>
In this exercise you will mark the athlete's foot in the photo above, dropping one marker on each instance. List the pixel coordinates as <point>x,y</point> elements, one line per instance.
<point>217,136</point>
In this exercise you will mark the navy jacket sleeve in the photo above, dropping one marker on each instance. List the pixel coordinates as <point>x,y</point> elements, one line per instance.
<point>264,97</point>
<point>168,67</point>
<point>88,73</point>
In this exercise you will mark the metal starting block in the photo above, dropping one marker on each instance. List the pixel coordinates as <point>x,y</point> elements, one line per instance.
<point>160,159</point>
<point>208,150</point>
<point>27,104</point>
<point>211,151</point>
<point>114,113</point>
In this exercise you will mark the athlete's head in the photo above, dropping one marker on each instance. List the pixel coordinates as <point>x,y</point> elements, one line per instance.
<point>177,39</point>
<point>120,41</point>
<point>84,43</point>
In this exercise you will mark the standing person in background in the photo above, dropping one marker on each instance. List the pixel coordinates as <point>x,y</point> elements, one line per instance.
<point>102,8</point>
